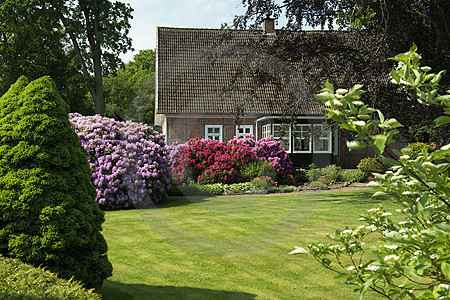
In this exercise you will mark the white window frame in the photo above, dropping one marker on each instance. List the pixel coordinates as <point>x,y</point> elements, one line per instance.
<point>219,134</point>
<point>322,138</point>
<point>301,137</point>
<point>244,127</point>
<point>266,131</point>
<point>285,138</point>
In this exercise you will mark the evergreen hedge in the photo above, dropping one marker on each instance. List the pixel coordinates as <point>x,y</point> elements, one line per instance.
<point>47,212</point>
<point>22,281</point>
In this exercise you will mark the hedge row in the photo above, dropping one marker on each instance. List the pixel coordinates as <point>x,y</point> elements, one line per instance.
<point>22,281</point>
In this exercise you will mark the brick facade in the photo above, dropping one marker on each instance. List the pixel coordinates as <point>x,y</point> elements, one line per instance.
<point>182,129</point>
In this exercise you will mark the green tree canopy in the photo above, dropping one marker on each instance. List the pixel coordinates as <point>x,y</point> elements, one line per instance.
<point>34,30</point>
<point>131,90</point>
<point>380,29</point>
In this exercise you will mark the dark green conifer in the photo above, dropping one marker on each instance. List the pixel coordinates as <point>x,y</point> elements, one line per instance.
<point>48,216</point>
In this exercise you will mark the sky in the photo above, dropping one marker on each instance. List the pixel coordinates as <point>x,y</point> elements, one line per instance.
<point>148,14</point>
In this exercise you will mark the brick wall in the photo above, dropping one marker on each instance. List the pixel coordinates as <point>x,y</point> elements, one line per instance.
<point>184,128</point>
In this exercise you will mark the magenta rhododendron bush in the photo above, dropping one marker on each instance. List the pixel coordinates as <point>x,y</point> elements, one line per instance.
<point>208,161</point>
<point>129,161</point>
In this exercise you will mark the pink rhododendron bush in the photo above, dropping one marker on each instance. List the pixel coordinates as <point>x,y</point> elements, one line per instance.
<point>129,161</point>
<point>207,161</point>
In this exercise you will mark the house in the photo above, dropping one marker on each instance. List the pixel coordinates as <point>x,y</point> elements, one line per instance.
<point>214,83</point>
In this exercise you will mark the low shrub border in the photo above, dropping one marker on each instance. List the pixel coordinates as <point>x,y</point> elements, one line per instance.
<point>22,281</point>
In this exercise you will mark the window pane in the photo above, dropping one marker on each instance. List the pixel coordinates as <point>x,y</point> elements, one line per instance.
<point>322,141</point>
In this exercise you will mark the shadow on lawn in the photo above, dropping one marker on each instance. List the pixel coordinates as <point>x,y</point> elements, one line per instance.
<point>182,200</point>
<point>353,197</point>
<point>112,290</point>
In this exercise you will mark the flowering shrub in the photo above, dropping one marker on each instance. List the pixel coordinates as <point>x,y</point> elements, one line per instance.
<point>412,258</point>
<point>268,149</point>
<point>210,161</point>
<point>128,160</point>
<point>266,179</point>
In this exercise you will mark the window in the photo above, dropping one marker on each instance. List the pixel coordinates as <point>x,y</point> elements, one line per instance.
<point>322,139</point>
<point>266,131</point>
<point>282,133</point>
<point>302,138</point>
<point>213,132</point>
<point>244,130</point>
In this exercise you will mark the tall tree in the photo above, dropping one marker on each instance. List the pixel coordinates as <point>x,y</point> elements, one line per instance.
<point>131,90</point>
<point>98,32</point>
<point>392,26</point>
<point>33,35</point>
<point>400,20</point>
<point>32,45</point>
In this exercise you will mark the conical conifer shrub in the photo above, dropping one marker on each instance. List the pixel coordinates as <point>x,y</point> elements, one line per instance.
<point>47,212</point>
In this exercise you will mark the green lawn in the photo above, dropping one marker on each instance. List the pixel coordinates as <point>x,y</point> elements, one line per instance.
<point>232,247</point>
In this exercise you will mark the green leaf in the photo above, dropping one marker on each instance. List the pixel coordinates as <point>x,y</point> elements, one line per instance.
<point>395,76</point>
<point>379,142</point>
<point>391,161</point>
<point>379,194</point>
<point>329,86</point>
<point>444,227</point>
<point>442,120</point>
<point>364,288</point>
<point>445,267</point>
<point>325,96</point>
<point>423,200</point>
<point>299,250</point>
<point>380,115</point>
<point>355,144</point>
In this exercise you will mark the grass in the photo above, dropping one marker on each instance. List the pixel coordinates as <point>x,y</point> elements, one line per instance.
<point>232,247</point>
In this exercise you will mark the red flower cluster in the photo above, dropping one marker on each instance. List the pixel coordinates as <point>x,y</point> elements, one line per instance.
<point>208,161</point>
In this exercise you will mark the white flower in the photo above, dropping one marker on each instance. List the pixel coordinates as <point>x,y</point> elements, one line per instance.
<point>341,91</point>
<point>385,214</point>
<point>335,102</point>
<point>428,164</point>
<point>444,286</point>
<point>359,123</point>
<point>347,231</point>
<point>390,246</point>
<point>350,268</point>
<point>373,210</point>
<point>372,267</point>
<point>389,257</point>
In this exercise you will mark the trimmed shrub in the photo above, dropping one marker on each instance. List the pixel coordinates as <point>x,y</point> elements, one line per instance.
<point>330,174</point>
<point>282,189</point>
<point>197,190</point>
<point>300,176</point>
<point>316,185</point>
<point>237,188</point>
<point>22,281</point>
<point>352,176</point>
<point>48,215</point>
<point>415,148</point>
<point>372,165</point>
<point>259,186</point>
<point>258,168</point>
<point>129,161</point>
<point>313,173</point>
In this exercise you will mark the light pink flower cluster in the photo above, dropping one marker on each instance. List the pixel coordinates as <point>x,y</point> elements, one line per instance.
<point>129,161</point>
